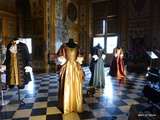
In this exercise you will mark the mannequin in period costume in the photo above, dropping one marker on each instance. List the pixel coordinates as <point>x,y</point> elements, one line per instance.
<point>113,66</point>
<point>17,64</point>
<point>121,72</point>
<point>99,74</point>
<point>71,78</point>
<point>94,51</point>
<point>117,67</point>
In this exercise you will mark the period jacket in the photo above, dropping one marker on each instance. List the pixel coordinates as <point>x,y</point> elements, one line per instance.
<point>15,65</point>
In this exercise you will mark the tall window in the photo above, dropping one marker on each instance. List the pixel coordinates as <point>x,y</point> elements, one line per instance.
<point>98,40</point>
<point>111,43</point>
<point>107,42</point>
<point>100,27</point>
<point>104,27</point>
<point>28,42</point>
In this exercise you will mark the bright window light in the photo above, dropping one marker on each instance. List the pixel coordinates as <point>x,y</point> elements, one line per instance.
<point>152,55</point>
<point>28,42</point>
<point>111,43</point>
<point>104,26</point>
<point>98,40</point>
<point>100,27</point>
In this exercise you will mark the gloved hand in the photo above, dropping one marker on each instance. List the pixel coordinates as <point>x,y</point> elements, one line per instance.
<point>28,69</point>
<point>2,68</point>
<point>95,57</point>
<point>13,49</point>
<point>80,60</point>
<point>61,60</point>
<point>103,56</point>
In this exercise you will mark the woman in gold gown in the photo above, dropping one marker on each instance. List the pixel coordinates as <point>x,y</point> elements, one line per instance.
<point>71,78</point>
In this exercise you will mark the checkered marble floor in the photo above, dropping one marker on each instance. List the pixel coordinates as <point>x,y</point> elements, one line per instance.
<point>40,97</point>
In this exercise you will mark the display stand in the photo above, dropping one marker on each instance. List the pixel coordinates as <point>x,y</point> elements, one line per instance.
<point>2,81</point>
<point>3,102</point>
<point>20,101</point>
<point>152,57</point>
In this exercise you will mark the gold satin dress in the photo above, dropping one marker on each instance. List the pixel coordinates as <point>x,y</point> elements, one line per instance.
<point>14,72</point>
<point>14,79</point>
<point>71,81</point>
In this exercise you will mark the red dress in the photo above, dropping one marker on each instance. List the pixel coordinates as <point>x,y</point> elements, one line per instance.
<point>121,73</point>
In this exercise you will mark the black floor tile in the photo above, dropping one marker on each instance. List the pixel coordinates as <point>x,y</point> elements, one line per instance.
<point>114,111</point>
<point>52,94</point>
<point>119,103</point>
<point>21,119</point>
<point>52,103</point>
<point>26,106</point>
<point>54,117</point>
<point>6,115</point>
<point>41,99</point>
<point>107,118</point>
<point>43,91</point>
<point>37,112</point>
<point>95,106</point>
<point>86,115</point>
